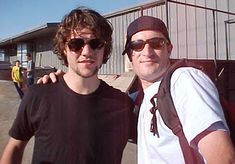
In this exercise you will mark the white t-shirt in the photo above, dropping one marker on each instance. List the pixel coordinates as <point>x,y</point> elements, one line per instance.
<point>197,103</point>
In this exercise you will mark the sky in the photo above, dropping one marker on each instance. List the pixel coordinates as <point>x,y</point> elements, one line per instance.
<point>17,16</point>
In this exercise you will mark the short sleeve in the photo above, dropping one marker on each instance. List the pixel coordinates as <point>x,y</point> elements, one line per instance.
<point>197,101</point>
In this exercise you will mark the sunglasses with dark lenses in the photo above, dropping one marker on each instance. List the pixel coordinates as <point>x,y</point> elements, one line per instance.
<point>78,43</point>
<point>155,43</point>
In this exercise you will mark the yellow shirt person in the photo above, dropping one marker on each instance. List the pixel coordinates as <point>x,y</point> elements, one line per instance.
<point>16,74</point>
<point>17,78</point>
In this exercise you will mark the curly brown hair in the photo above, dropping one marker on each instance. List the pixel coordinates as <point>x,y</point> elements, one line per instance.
<point>78,19</point>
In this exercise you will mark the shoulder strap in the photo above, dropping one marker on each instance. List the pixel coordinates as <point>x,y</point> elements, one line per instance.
<point>168,112</point>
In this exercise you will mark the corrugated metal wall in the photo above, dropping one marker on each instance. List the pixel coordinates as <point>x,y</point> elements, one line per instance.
<point>48,58</point>
<point>120,22</point>
<point>44,54</point>
<point>197,32</point>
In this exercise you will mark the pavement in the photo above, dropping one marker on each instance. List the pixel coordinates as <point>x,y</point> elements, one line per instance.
<point>9,102</point>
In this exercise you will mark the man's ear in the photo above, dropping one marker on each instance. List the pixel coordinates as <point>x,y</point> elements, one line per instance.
<point>129,55</point>
<point>65,52</point>
<point>169,49</point>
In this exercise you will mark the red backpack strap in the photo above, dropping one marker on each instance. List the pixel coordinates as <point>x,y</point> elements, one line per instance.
<point>169,115</point>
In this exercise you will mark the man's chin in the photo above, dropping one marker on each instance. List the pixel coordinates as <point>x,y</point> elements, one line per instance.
<point>89,74</point>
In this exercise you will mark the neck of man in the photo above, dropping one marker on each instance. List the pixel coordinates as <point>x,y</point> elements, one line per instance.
<point>146,83</point>
<point>82,85</point>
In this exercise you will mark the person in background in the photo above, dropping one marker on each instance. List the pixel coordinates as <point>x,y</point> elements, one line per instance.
<point>30,70</point>
<point>80,119</point>
<point>17,77</point>
<point>195,97</point>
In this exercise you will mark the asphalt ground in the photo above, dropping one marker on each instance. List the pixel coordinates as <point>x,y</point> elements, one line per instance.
<point>9,102</point>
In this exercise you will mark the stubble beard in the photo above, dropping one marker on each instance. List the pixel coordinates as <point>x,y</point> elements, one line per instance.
<point>86,75</point>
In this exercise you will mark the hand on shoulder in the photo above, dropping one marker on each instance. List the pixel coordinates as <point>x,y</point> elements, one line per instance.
<point>52,77</point>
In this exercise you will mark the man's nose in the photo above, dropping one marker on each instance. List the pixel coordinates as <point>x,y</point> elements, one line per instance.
<point>147,50</point>
<point>87,50</point>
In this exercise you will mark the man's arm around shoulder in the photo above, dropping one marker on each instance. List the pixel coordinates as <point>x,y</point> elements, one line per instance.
<point>13,152</point>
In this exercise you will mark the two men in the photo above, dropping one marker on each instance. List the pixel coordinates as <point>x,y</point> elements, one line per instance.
<point>195,97</point>
<point>148,47</point>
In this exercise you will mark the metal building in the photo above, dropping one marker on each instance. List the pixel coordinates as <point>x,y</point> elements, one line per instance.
<point>201,30</point>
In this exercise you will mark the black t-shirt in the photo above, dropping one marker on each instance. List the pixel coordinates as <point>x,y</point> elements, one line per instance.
<point>70,128</point>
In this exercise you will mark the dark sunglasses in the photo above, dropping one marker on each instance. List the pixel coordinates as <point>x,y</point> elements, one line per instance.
<point>78,43</point>
<point>155,43</point>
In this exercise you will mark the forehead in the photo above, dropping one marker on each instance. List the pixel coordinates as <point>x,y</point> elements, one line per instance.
<point>82,33</point>
<point>147,34</point>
